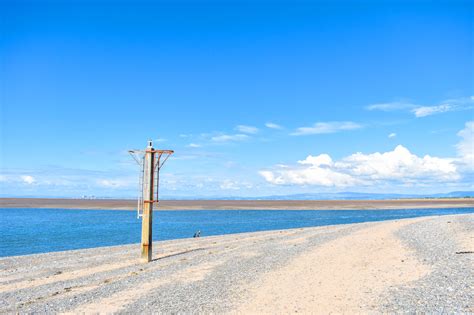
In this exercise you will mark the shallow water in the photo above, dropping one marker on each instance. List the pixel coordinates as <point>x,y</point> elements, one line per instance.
<point>30,231</point>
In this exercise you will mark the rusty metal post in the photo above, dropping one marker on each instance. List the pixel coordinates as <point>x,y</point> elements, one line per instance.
<point>147,219</point>
<point>150,161</point>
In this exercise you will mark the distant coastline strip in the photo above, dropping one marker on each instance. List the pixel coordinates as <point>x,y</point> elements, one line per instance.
<point>124,204</point>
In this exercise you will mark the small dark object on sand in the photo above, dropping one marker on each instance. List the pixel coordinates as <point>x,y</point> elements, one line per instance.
<point>197,234</point>
<point>466,252</point>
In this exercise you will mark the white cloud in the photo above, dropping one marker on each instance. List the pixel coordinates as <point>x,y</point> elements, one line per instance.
<point>247,129</point>
<point>194,145</point>
<point>322,159</point>
<point>386,107</point>
<point>399,166</point>
<point>455,104</point>
<point>312,175</point>
<point>392,135</point>
<point>227,138</point>
<point>326,127</point>
<point>466,146</point>
<point>424,111</point>
<point>273,126</point>
<point>229,185</point>
<point>28,179</point>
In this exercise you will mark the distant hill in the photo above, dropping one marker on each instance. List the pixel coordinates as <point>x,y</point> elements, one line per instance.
<point>306,196</point>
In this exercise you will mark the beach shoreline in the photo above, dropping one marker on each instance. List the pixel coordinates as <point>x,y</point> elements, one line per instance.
<point>388,266</point>
<point>123,204</point>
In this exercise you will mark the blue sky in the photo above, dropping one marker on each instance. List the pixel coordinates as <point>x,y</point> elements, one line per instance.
<point>256,97</point>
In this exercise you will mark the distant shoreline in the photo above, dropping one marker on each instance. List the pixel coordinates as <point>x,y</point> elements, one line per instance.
<point>122,204</point>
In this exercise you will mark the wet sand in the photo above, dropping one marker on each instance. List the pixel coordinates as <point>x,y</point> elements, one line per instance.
<point>410,265</point>
<point>117,204</point>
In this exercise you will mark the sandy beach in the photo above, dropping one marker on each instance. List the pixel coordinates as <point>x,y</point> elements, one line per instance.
<point>410,265</point>
<point>121,204</point>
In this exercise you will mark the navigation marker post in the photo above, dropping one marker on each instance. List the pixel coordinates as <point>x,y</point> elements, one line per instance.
<point>150,161</point>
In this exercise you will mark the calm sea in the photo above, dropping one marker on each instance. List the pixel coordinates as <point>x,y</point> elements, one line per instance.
<point>30,231</point>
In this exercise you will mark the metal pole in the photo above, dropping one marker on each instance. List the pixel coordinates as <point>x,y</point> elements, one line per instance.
<point>147,218</point>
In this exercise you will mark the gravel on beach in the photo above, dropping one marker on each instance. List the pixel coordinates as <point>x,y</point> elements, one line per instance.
<point>449,288</point>
<point>216,274</point>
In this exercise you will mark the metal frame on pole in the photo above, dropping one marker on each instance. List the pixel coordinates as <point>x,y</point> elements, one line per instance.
<point>151,163</point>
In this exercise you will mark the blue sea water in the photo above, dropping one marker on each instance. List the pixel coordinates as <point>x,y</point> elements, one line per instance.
<point>30,231</point>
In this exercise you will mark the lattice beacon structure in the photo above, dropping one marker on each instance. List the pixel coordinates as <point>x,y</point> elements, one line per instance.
<point>150,161</point>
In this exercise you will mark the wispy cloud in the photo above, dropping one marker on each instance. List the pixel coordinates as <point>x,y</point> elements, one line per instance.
<point>326,127</point>
<point>229,185</point>
<point>462,103</point>
<point>457,104</point>
<point>57,181</point>
<point>273,125</point>
<point>194,145</point>
<point>466,146</point>
<point>424,111</point>
<point>392,135</point>
<point>159,140</point>
<point>28,179</point>
<point>387,107</point>
<point>247,129</point>
<point>229,138</point>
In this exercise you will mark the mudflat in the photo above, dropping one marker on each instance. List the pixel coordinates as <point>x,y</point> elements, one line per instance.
<point>420,265</point>
<point>121,204</point>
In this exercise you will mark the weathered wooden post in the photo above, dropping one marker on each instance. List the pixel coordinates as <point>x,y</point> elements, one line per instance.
<point>151,162</point>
